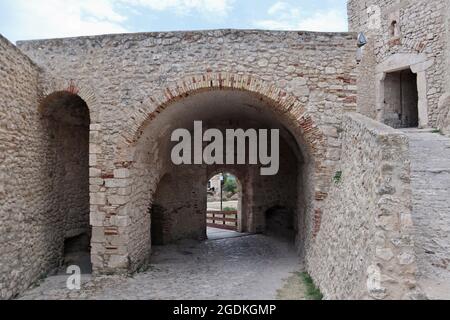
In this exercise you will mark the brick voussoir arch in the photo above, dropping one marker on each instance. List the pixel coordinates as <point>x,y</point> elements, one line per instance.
<point>284,103</point>
<point>288,105</point>
<point>53,85</point>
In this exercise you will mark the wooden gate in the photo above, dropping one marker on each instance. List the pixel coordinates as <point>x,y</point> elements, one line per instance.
<point>222,219</point>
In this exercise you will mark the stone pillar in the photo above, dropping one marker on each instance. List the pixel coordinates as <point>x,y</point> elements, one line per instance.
<point>109,194</point>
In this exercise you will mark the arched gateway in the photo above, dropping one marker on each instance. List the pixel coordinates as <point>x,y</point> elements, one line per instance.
<point>333,187</point>
<point>223,101</point>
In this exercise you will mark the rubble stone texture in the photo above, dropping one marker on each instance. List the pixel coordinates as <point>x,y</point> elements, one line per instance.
<point>86,122</point>
<point>430,181</point>
<point>421,45</point>
<point>423,37</point>
<point>365,234</point>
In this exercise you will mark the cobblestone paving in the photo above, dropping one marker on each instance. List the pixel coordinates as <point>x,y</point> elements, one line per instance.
<point>430,182</point>
<point>249,267</point>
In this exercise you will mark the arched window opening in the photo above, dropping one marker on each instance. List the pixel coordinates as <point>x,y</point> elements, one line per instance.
<point>394,29</point>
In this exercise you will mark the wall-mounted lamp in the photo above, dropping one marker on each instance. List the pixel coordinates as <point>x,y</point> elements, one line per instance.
<point>362,41</point>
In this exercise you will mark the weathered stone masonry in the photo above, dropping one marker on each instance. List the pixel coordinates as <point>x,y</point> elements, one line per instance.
<point>140,86</point>
<point>364,247</point>
<point>420,44</point>
<point>321,86</point>
<point>22,147</point>
<point>44,174</point>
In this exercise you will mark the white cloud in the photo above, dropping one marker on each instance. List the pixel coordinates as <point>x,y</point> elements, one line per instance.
<point>101,9</point>
<point>331,20</point>
<point>34,19</point>
<point>283,16</point>
<point>278,7</point>
<point>216,8</point>
<point>56,18</point>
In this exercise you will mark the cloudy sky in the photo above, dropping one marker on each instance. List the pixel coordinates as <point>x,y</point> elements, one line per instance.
<point>37,19</point>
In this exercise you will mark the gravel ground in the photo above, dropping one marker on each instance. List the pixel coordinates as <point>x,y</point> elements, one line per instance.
<point>248,267</point>
<point>215,205</point>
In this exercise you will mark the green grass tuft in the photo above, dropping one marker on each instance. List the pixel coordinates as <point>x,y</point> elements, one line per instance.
<point>312,292</point>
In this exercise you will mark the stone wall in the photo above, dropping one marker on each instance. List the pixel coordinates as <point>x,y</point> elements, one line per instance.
<point>181,195</point>
<point>420,32</point>
<point>307,79</point>
<point>444,102</point>
<point>364,249</point>
<point>25,240</point>
<point>270,192</point>
<point>44,173</point>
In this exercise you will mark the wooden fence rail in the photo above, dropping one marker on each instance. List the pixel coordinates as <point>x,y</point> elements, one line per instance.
<point>222,219</point>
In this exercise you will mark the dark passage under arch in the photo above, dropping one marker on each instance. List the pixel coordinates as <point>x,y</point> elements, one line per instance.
<point>178,204</point>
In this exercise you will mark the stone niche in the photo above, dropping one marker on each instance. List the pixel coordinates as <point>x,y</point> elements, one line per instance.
<point>65,120</point>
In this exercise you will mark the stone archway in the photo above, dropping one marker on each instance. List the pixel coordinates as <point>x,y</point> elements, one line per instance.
<point>96,156</point>
<point>288,105</point>
<point>65,120</point>
<point>303,125</point>
<point>123,243</point>
<point>84,91</point>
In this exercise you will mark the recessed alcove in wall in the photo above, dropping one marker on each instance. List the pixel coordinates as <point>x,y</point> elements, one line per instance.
<point>394,29</point>
<point>401,99</point>
<point>401,80</point>
<point>65,119</point>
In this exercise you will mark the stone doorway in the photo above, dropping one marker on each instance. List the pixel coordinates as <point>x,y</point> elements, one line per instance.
<point>65,118</point>
<point>402,90</point>
<point>401,99</point>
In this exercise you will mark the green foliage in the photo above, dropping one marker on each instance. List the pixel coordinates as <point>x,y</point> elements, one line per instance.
<point>337,177</point>
<point>312,292</point>
<point>230,184</point>
<point>229,209</point>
